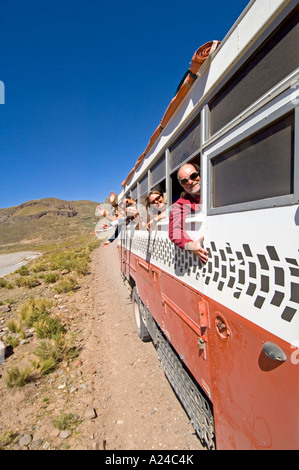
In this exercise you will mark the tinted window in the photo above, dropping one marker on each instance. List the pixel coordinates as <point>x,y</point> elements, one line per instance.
<point>276,59</point>
<point>158,171</point>
<point>144,186</point>
<point>185,145</point>
<point>258,168</point>
<point>134,193</point>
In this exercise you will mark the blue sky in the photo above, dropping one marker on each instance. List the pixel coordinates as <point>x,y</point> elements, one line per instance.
<point>87,83</point>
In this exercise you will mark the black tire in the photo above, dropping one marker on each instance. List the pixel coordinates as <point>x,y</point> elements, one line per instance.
<point>139,323</point>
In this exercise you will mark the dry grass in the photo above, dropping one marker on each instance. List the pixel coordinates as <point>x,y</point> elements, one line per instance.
<point>36,314</point>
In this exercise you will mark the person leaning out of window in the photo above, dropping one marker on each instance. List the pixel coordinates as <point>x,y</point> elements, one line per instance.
<point>188,204</point>
<point>156,207</point>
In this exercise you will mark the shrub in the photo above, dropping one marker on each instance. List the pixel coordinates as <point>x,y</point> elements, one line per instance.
<point>12,341</point>
<point>28,281</point>
<point>82,268</point>
<point>47,366</point>
<point>39,266</point>
<point>3,282</point>
<point>34,310</point>
<point>66,421</point>
<point>93,245</point>
<point>72,260</point>
<point>9,285</point>
<point>7,439</point>
<point>23,271</point>
<point>17,378</point>
<point>47,350</point>
<point>13,326</point>
<point>48,328</point>
<point>51,278</point>
<point>66,285</point>
<point>52,352</point>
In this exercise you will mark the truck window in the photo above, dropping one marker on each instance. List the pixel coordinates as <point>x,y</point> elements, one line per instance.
<point>257,168</point>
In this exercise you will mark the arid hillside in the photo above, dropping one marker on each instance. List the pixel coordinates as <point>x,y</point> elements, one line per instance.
<point>45,223</point>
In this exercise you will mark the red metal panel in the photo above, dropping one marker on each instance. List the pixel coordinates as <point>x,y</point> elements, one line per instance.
<point>181,324</point>
<point>254,398</point>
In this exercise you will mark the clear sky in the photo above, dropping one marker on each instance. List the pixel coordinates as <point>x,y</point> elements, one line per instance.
<point>87,83</point>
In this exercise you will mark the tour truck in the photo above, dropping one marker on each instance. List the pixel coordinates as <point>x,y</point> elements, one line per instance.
<point>227,332</point>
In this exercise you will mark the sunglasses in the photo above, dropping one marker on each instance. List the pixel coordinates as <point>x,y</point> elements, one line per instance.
<point>191,177</point>
<point>157,199</point>
<point>127,203</point>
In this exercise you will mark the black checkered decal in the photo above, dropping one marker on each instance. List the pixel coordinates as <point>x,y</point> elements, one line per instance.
<point>244,273</point>
<point>241,272</point>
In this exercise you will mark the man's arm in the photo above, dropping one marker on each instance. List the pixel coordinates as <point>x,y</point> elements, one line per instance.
<point>178,235</point>
<point>198,249</point>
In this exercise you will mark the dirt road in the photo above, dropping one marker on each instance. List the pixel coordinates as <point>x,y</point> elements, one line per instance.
<point>11,262</point>
<point>138,409</point>
<point>115,389</point>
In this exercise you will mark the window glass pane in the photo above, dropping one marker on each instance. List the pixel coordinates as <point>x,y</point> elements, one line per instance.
<point>158,171</point>
<point>276,59</point>
<point>258,168</point>
<point>185,145</point>
<point>134,192</point>
<point>144,186</point>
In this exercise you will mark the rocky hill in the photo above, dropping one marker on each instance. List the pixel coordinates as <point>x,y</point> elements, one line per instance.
<point>40,223</point>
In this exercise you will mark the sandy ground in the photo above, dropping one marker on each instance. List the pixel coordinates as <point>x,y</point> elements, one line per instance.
<point>116,386</point>
<point>140,410</point>
<point>9,263</point>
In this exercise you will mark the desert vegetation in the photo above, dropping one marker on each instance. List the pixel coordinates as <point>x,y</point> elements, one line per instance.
<point>30,313</point>
<point>40,319</point>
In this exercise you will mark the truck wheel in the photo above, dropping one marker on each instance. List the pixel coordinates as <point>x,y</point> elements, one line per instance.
<point>139,323</point>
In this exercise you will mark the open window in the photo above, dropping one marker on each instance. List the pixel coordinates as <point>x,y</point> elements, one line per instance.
<point>143,190</point>
<point>177,189</point>
<point>158,178</point>
<point>184,150</point>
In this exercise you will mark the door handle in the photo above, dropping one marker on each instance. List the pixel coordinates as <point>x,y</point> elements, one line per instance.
<point>222,328</point>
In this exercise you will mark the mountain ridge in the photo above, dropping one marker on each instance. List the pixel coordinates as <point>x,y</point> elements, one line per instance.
<point>42,222</point>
